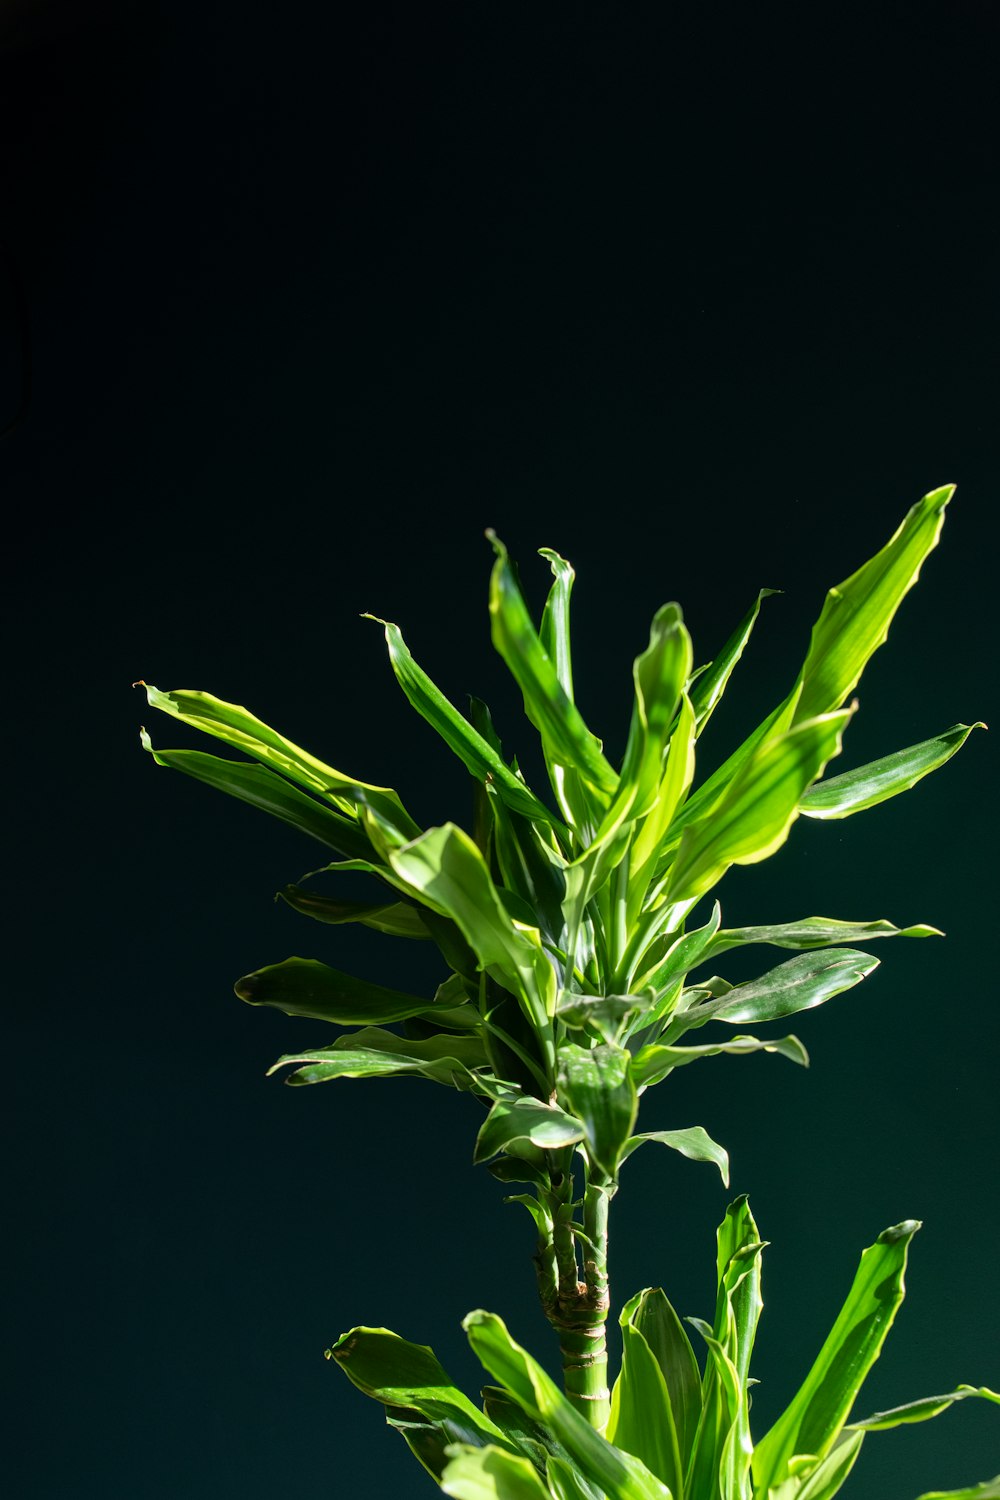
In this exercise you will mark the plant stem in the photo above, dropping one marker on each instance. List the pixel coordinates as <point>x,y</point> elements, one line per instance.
<point>579,1309</point>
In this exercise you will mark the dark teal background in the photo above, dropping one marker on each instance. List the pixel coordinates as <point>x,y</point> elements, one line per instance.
<point>703,297</point>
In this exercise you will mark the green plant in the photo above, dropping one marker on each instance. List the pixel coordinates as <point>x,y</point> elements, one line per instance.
<point>575,974</point>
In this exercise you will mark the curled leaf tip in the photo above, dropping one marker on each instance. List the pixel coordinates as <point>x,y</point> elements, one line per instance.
<point>901,1231</point>
<point>139,683</point>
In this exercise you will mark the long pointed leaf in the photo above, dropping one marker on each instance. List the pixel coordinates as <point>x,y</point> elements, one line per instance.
<point>306,987</point>
<point>711,686</point>
<point>800,984</point>
<point>857,613</point>
<point>642,1420</point>
<point>921,1411</point>
<point>235,726</point>
<point>546,703</point>
<point>816,1415</point>
<point>868,785</point>
<point>374,1053</point>
<point>271,793</point>
<point>398,918</point>
<point>988,1490</point>
<point>472,749</point>
<point>753,819</point>
<point>654,1061</point>
<point>810,932</point>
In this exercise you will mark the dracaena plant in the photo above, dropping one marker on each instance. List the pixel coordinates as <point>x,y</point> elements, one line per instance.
<point>579,942</point>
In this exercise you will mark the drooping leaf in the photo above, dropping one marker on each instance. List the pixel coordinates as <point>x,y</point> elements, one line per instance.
<point>596,1085</point>
<point>754,816</point>
<point>654,1061</point>
<point>473,749</point>
<point>810,932</point>
<point>546,703</point>
<point>235,726</point>
<point>272,794</point>
<point>491,1473</point>
<point>522,1118</point>
<point>398,918</point>
<point>306,987</point>
<point>799,984</point>
<point>868,785</point>
<point>375,1053</point>
<point>449,873</point>
<point>816,1415</point>
<point>712,684</point>
<point>400,1374</point>
<point>694,1142</point>
<point>857,613</point>
<point>609,1015</point>
<point>620,1475</point>
<point>920,1411</point>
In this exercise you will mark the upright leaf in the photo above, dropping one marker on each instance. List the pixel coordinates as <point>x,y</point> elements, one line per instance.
<point>753,818</point>
<point>651,1315</point>
<point>856,616</point>
<point>815,1417</point>
<point>546,703</point>
<point>712,684</point>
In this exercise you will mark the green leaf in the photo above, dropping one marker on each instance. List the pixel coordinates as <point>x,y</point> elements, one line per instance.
<point>565,736</point>
<point>235,726</point>
<point>693,1142</point>
<point>988,1490</point>
<point>799,984</point>
<point>920,1411</point>
<point>262,788</point>
<point>753,819</point>
<point>473,750</point>
<point>447,871</point>
<point>554,630</point>
<point>813,1420</point>
<point>401,1374</point>
<point>826,1477</point>
<point>713,683</point>
<point>522,1118</point>
<point>374,1053</point>
<point>678,773</point>
<point>856,616</point>
<point>641,1418</point>
<point>567,1483</point>
<point>398,918</point>
<point>651,1315</point>
<point>876,782</point>
<point>620,1475</point>
<point>491,1473</point>
<point>529,865</point>
<point>306,987</point>
<point>810,932</point>
<point>596,1085</point>
<point>654,1061</point>
<point>659,675</point>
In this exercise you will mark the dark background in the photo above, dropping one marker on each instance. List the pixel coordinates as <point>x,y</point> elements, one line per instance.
<point>705,298</point>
